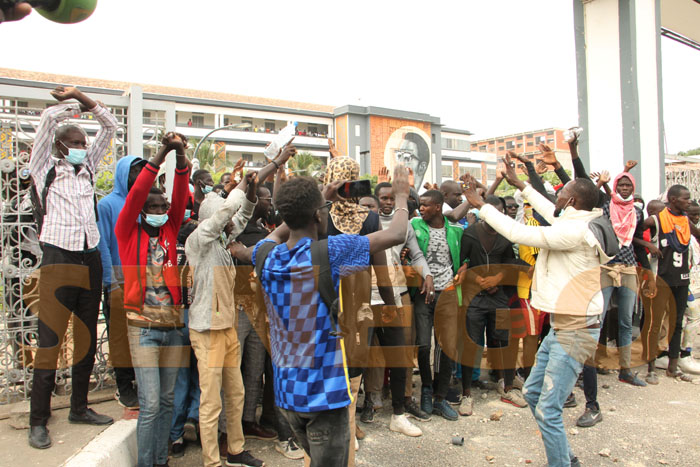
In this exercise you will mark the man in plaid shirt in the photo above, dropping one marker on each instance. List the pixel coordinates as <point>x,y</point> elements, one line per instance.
<point>71,269</point>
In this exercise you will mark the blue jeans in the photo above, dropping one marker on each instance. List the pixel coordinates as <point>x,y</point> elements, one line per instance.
<point>626,299</point>
<point>560,359</point>
<point>187,391</point>
<point>157,354</point>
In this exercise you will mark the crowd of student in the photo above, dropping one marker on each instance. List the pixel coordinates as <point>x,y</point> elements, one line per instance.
<point>261,293</point>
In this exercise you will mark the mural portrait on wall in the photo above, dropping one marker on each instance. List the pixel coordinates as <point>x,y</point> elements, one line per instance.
<point>409,146</point>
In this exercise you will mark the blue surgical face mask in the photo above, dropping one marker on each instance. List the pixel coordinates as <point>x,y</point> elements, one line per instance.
<point>206,189</point>
<point>156,220</point>
<point>75,156</point>
<point>188,213</point>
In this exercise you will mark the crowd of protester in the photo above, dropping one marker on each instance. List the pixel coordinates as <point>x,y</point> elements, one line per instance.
<point>275,292</point>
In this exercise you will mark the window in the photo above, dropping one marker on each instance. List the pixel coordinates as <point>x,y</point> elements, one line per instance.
<point>520,145</point>
<point>312,130</point>
<point>433,138</point>
<point>490,173</point>
<point>550,133</point>
<point>510,145</point>
<point>447,171</point>
<point>269,127</point>
<point>147,117</point>
<point>357,131</point>
<point>539,139</point>
<point>528,136</point>
<point>482,148</point>
<point>500,140</point>
<point>247,157</point>
<point>530,143</point>
<point>550,141</point>
<point>519,138</point>
<point>473,171</point>
<point>452,143</point>
<point>501,148</point>
<point>198,121</point>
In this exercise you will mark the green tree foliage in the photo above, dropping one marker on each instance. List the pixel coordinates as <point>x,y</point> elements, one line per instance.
<point>692,152</point>
<point>371,178</point>
<point>507,190</point>
<point>306,164</point>
<point>207,153</point>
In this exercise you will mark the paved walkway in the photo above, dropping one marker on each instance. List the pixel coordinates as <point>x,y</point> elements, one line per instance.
<point>67,439</point>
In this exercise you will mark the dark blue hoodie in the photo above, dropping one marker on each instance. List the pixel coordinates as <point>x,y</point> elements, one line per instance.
<point>108,210</point>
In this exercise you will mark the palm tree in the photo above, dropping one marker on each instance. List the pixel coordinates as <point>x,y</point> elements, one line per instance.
<point>306,164</point>
<point>207,153</point>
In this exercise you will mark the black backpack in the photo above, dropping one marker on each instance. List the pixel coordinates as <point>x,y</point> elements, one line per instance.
<point>324,281</point>
<point>39,202</point>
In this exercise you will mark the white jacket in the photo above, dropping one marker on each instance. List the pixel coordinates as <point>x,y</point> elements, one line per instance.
<point>567,271</point>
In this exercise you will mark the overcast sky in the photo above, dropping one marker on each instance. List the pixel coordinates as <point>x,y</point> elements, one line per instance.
<point>493,67</point>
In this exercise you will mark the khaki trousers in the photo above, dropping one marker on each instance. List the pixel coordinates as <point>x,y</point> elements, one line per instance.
<point>219,363</point>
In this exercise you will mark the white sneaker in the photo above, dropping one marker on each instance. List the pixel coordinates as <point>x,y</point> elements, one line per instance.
<point>689,365</point>
<point>289,449</point>
<point>662,362</point>
<point>357,446</point>
<point>400,424</point>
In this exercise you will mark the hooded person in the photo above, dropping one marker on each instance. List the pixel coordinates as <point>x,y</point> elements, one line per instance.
<point>347,216</point>
<point>108,209</point>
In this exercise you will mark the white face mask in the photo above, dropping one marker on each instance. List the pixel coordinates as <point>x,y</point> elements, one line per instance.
<point>629,198</point>
<point>639,205</point>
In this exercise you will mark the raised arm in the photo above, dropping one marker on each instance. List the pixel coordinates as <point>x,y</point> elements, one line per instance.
<point>288,151</point>
<point>540,203</point>
<point>209,230</point>
<point>108,124</point>
<point>40,161</point>
<point>395,234</point>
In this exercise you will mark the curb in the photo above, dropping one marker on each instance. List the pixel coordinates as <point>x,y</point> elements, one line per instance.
<point>114,447</point>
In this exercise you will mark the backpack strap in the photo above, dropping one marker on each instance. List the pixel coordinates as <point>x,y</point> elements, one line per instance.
<point>261,256</point>
<point>324,282</point>
<point>39,201</point>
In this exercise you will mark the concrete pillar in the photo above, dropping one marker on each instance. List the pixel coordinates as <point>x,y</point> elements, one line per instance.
<point>135,121</point>
<point>618,55</point>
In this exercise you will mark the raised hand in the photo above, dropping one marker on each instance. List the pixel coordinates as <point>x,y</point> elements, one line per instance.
<point>238,167</point>
<point>332,149</point>
<point>469,190</point>
<point>595,176</point>
<point>541,168</point>
<point>548,155</point>
<point>175,141</point>
<point>521,157</point>
<point>510,174</point>
<point>64,93</point>
<point>629,165</point>
<point>383,176</point>
<point>401,184</point>
<point>251,181</point>
<point>288,151</point>
<point>330,191</point>
<point>604,177</point>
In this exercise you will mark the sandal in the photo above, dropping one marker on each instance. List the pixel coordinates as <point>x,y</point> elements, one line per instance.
<point>680,376</point>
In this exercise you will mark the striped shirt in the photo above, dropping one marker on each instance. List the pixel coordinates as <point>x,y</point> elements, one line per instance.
<point>70,221</point>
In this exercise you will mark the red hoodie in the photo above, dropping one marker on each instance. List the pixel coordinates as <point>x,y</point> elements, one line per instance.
<point>128,230</point>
